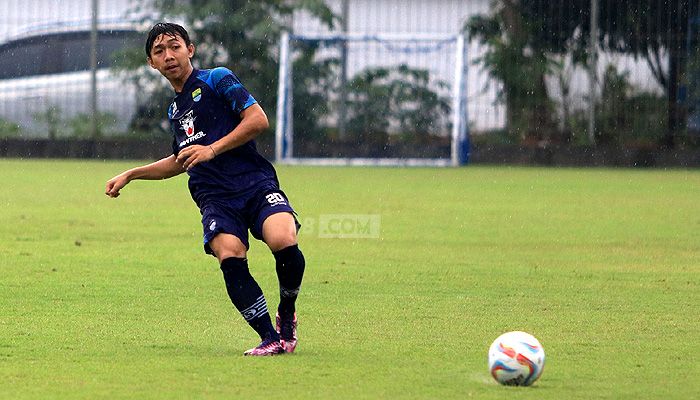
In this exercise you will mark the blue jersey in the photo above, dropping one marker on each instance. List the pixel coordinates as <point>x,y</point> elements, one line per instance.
<point>207,109</point>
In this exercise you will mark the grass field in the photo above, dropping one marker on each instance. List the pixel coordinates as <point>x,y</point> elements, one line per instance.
<point>114,298</point>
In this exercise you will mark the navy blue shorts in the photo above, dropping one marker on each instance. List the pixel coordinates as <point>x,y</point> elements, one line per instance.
<point>246,212</point>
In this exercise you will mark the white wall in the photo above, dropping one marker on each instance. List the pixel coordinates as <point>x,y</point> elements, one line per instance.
<point>20,16</point>
<point>368,16</point>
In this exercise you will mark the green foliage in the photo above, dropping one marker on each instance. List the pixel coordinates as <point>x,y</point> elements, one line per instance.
<point>401,99</point>
<point>520,63</point>
<point>80,125</point>
<point>692,85</point>
<point>9,129</point>
<point>627,116</point>
<point>692,81</point>
<point>314,80</point>
<point>493,137</point>
<point>51,117</point>
<point>150,118</point>
<point>153,93</point>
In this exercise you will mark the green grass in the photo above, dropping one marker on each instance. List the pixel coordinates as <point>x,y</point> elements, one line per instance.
<point>114,298</point>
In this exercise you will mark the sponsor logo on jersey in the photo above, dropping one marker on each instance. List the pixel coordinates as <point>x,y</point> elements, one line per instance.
<point>173,109</point>
<point>197,94</point>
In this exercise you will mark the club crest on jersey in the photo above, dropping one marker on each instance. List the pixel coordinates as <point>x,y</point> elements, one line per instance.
<point>187,123</point>
<point>197,94</point>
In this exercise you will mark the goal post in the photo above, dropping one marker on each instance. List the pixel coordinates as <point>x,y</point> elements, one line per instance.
<point>402,103</point>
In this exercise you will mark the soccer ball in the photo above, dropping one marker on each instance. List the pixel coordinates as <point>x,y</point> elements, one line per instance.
<point>516,359</point>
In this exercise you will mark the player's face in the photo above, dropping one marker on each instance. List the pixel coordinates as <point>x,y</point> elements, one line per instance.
<point>171,57</point>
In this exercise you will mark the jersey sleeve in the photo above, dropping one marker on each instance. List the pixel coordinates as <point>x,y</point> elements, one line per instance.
<point>228,86</point>
<point>171,114</point>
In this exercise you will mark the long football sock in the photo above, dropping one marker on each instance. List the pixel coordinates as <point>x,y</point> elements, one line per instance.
<point>247,297</point>
<point>290,271</point>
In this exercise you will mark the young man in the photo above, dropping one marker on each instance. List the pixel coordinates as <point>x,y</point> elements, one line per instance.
<point>214,120</point>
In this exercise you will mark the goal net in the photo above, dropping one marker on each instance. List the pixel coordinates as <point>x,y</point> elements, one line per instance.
<point>372,100</point>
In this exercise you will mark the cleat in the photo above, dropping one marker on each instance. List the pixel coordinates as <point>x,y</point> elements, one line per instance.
<point>287,328</point>
<point>268,347</point>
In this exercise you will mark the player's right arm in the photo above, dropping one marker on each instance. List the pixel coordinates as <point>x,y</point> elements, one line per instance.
<point>161,169</point>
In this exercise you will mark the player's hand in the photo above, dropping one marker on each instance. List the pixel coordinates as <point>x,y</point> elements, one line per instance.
<point>195,154</point>
<point>115,184</point>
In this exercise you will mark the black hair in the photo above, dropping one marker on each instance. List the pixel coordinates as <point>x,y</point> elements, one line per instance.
<point>166,28</point>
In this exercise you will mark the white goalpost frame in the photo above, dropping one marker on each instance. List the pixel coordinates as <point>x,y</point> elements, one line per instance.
<point>281,152</point>
<point>460,122</point>
<point>284,137</point>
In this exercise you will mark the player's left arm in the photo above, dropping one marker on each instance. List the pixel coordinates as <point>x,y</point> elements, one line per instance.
<point>253,122</point>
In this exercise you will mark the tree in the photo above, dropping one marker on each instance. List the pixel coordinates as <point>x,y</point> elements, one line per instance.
<point>656,31</point>
<point>650,29</point>
<point>629,116</point>
<point>518,57</point>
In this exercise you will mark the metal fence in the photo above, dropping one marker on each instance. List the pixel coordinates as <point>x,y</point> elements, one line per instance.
<point>580,72</point>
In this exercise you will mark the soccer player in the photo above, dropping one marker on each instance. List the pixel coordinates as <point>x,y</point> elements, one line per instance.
<point>214,121</point>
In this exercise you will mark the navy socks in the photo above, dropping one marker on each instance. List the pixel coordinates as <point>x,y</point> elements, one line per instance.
<point>247,297</point>
<point>290,271</point>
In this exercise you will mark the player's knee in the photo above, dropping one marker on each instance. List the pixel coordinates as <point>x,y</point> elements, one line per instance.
<point>225,245</point>
<point>223,254</point>
<point>282,241</point>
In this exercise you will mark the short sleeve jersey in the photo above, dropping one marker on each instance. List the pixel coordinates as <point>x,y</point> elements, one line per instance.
<point>207,109</point>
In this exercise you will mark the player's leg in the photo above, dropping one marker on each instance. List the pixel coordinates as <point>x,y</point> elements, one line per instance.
<point>243,290</point>
<point>226,245</point>
<point>279,231</point>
